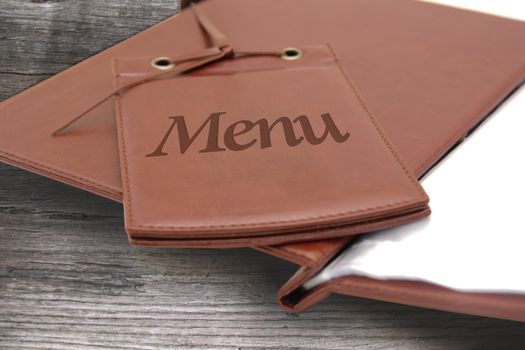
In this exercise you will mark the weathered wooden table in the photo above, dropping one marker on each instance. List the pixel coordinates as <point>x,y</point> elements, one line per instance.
<point>69,280</point>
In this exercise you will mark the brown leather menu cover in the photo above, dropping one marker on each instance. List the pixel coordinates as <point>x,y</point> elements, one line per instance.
<point>430,74</point>
<point>255,149</point>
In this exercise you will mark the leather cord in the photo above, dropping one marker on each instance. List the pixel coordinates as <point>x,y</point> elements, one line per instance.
<point>218,39</point>
<point>179,67</point>
<point>180,64</point>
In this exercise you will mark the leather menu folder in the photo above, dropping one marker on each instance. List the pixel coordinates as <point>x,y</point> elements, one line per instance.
<point>429,73</point>
<point>264,147</point>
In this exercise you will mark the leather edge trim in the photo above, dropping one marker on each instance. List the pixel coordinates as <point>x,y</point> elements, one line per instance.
<point>421,294</point>
<point>60,176</point>
<point>257,241</point>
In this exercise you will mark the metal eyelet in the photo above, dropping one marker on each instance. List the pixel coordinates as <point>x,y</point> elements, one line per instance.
<point>291,54</point>
<point>162,63</point>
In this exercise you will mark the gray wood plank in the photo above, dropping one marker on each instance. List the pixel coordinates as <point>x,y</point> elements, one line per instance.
<point>68,278</point>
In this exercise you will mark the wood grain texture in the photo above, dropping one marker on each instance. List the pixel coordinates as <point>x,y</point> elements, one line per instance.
<point>69,280</point>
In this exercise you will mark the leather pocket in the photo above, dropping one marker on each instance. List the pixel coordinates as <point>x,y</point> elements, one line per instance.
<point>255,149</point>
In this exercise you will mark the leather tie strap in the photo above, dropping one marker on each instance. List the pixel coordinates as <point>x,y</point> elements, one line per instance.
<point>179,67</point>
<point>218,39</point>
<point>180,64</point>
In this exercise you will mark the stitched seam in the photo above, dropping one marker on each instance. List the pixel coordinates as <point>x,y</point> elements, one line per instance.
<point>128,198</point>
<point>122,144</point>
<point>54,170</point>
<point>379,129</point>
<point>255,239</point>
<point>269,223</point>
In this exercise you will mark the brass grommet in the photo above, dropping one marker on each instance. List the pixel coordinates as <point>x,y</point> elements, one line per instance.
<point>291,53</point>
<point>162,63</point>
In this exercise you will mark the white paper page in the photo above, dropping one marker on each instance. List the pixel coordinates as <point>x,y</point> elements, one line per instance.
<point>475,237</point>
